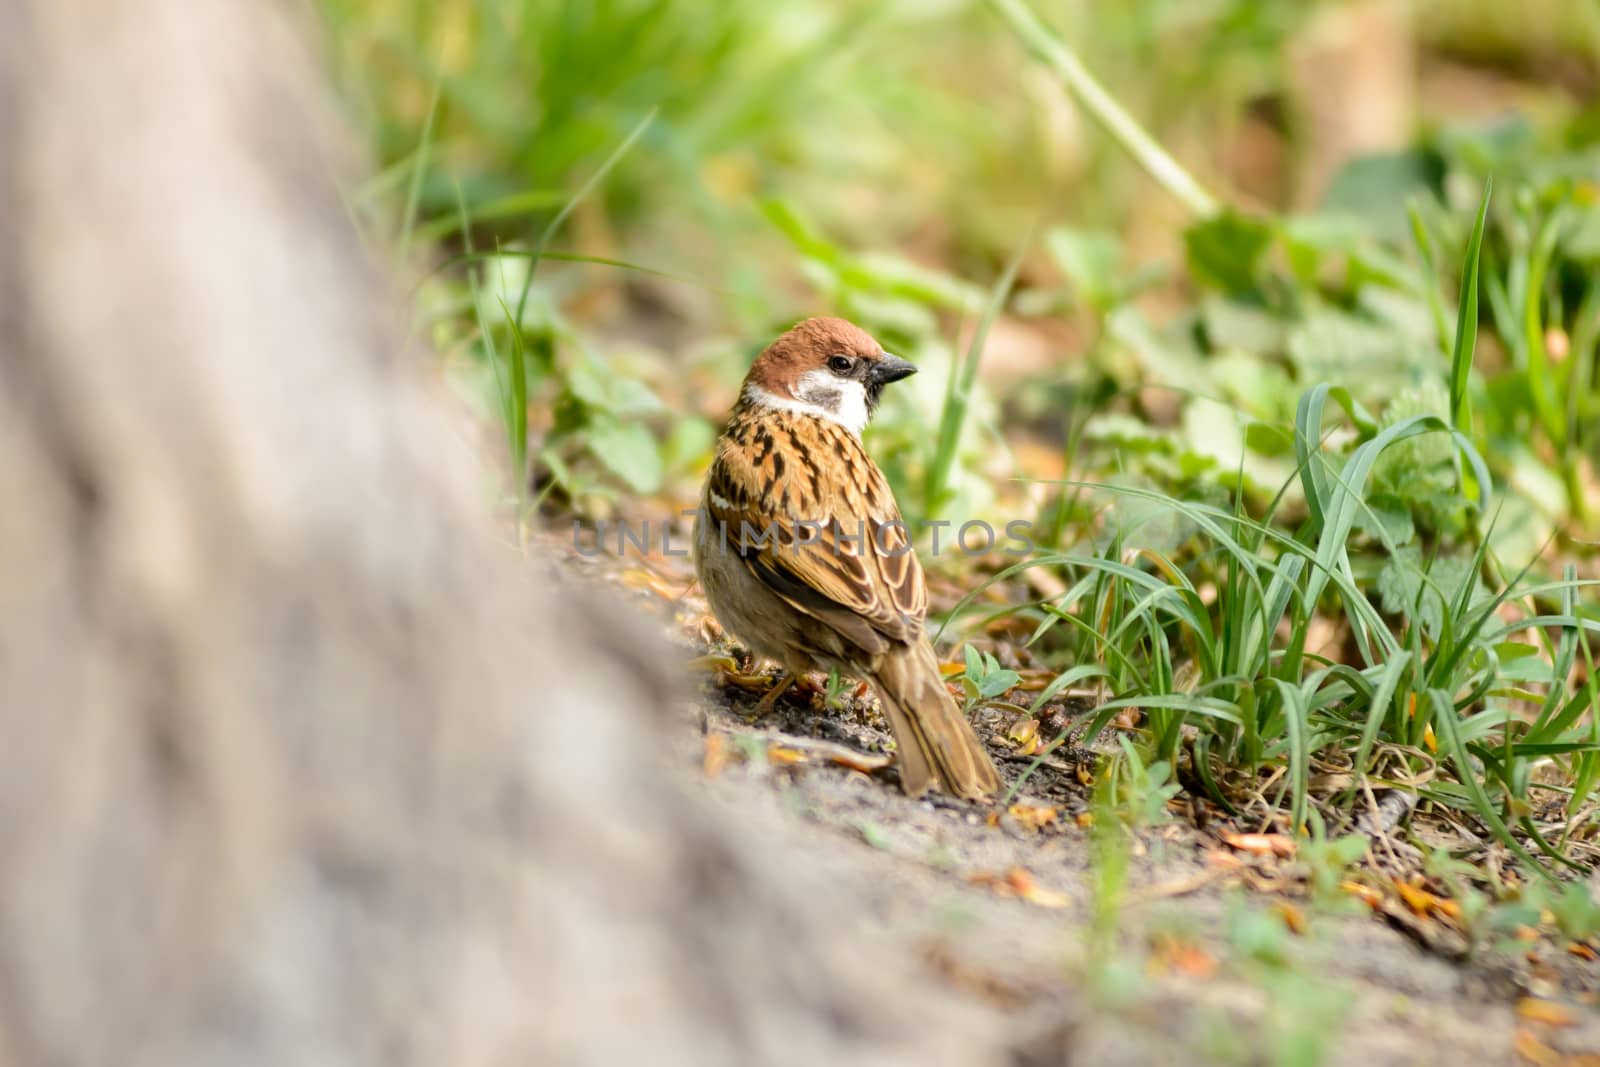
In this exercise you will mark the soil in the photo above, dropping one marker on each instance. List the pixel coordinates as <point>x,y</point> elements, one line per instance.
<point>1000,914</point>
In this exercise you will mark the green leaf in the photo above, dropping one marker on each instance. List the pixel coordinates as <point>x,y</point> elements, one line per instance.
<point>1237,324</point>
<point>1576,912</point>
<point>1268,439</point>
<point>1316,240</point>
<point>1168,357</point>
<point>585,382</point>
<point>688,442</point>
<point>1419,473</point>
<point>1089,259</point>
<point>629,451</point>
<point>1129,433</point>
<point>629,396</point>
<point>1225,251</point>
<point>1390,520</point>
<point>804,236</point>
<point>1345,851</point>
<point>1376,187</point>
<point>874,835</point>
<point>1409,315</point>
<point>897,276</point>
<point>1583,240</point>
<point>1260,388</point>
<point>602,389</point>
<point>1484,147</point>
<point>1424,593</point>
<point>997,682</point>
<point>1333,345</point>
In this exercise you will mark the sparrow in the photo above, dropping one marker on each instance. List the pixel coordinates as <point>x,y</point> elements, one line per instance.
<point>802,554</point>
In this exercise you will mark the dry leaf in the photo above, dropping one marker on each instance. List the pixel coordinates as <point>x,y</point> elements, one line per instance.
<point>1548,1012</point>
<point>1018,882</point>
<point>1583,951</point>
<point>1292,917</point>
<point>1182,957</point>
<point>1262,844</point>
<point>1424,903</point>
<point>713,662</point>
<point>1531,1050</point>
<point>1227,860</point>
<point>782,755</point>
<point>641,580</point>
<point>1420,901</point>
<point>716,757</point>
<point>1033,816</point>
<point>858,761</point>
<point>1366,894</point>
<point>1024,733</point>
<point>1036,894</point>
<point>755,683</point>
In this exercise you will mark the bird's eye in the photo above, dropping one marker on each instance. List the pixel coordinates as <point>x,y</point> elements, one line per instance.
<point>841,364</point>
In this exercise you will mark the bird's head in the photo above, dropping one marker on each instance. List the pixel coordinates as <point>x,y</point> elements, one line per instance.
<point>828,368</point>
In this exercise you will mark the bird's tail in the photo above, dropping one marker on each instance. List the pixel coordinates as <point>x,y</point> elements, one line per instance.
<point>934,739</point>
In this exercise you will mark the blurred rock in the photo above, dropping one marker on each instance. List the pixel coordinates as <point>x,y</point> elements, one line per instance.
<point>297,767</point>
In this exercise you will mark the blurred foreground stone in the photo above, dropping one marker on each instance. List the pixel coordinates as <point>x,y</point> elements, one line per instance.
<point>295,766</point>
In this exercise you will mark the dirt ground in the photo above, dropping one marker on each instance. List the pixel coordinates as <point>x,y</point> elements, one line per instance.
<point>999,914</point>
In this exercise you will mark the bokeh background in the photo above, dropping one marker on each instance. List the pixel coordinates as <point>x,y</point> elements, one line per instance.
<point>727,168</point>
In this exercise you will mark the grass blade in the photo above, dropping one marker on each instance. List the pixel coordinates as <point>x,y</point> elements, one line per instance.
<point>958,394</point>
<point>1104,108</point>
<point>1444,713</point>
<point>1467,319</point>
<point>419,167</point>
<point>583,192</point>
<point>1430,271</point>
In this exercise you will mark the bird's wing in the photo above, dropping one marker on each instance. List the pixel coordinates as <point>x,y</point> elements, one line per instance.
<point>805,508</point>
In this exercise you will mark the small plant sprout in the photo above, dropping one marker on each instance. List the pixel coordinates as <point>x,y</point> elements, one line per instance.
<point>984,679</point>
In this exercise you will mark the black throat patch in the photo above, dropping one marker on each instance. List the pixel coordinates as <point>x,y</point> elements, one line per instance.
<point>824,398</point>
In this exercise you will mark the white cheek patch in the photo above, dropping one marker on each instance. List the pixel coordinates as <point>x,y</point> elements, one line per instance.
<point>823,395</point>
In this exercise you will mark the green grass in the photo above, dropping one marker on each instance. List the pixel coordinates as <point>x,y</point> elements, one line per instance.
<point>1264,700</point>
<point>1439,675</point>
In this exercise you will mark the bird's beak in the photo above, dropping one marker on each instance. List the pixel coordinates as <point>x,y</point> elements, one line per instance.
<point>889,368</point>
